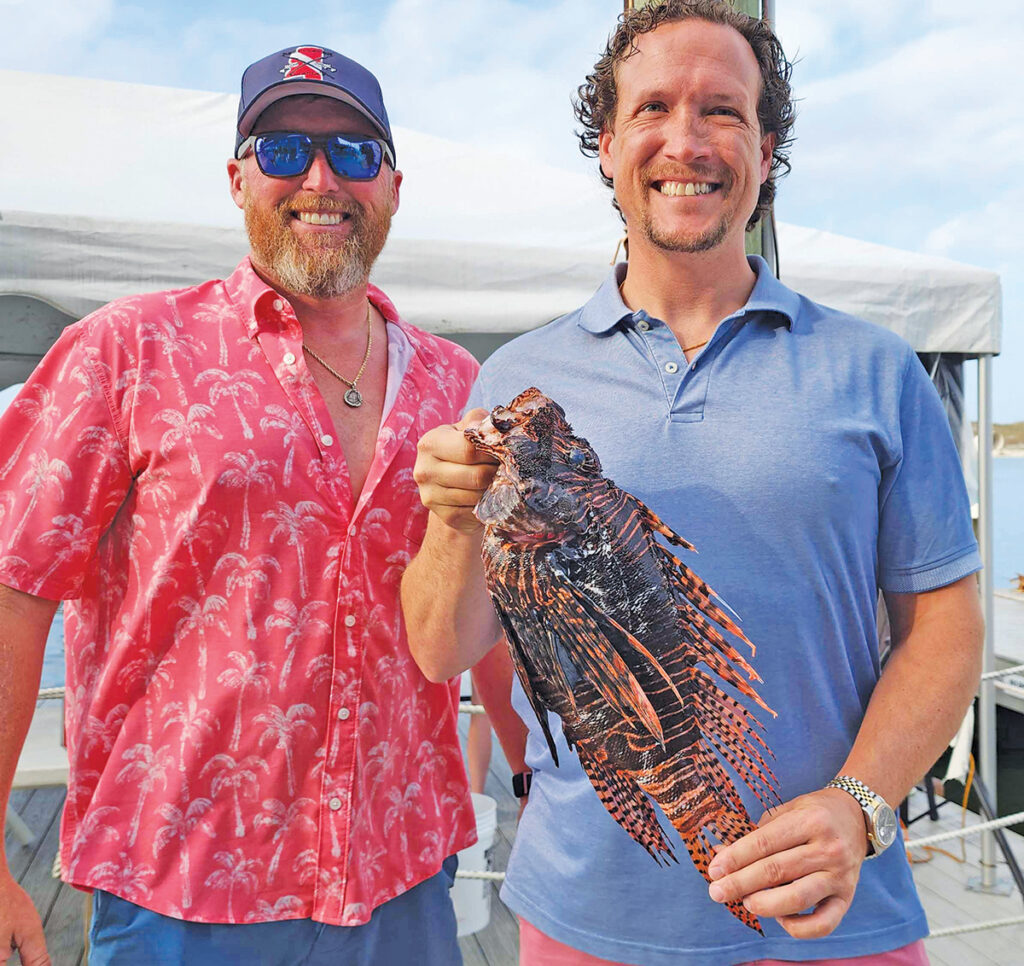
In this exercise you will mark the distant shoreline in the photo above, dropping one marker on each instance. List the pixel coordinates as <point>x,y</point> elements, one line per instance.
<point>1015,451</point>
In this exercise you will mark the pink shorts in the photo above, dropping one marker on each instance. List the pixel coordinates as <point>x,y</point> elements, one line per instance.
<point>538,949</point>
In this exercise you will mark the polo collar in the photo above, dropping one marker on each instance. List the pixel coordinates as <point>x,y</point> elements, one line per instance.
<point>606,309</point>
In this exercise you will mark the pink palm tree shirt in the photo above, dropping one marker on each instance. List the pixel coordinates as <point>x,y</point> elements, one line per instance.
<point>248,736</point>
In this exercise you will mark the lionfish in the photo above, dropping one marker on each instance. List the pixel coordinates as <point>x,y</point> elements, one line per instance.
<point>611,631</point>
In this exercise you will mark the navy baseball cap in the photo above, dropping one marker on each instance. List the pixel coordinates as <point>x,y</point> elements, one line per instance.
<point>310,70</point>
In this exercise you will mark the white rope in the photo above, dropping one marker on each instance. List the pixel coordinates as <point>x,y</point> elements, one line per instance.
<point>1016,669</point>
<point>470,874</point>
<point>1010,689</point>
<point>975,927</point>
<point>466,708</point>
<point>48,694</point>
<point>970,830</point>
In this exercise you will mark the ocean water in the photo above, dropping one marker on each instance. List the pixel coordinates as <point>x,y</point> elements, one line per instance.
<point>1008,552</point>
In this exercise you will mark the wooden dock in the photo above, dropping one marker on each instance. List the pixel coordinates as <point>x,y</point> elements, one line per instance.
<point>941,881</point>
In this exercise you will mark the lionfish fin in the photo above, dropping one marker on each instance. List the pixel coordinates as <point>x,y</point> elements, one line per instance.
<point>518,654</point>
<point>582,630</point>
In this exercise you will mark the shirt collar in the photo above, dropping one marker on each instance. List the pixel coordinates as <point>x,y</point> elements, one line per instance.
<point>606,309</point>
<point>262,308</point>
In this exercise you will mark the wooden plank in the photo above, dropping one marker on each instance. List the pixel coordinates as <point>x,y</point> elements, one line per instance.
<point>37,878</point>
<point>65,925</point>
<point>472,954</point>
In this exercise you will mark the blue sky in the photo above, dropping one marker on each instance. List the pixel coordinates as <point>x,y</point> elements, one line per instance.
<point>910,132</point>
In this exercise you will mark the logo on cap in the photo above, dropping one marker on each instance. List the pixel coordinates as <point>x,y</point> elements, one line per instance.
<point>306,63</point>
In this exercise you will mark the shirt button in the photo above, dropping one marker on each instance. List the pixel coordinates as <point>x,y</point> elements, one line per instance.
<point>289,358</point>
<point>327,439</point>
<point>334,804</point>
<point>343,714</point>
<point>643,325</point>
<point>671,367</point>
<point>278,305</point>
<point>350,621</point>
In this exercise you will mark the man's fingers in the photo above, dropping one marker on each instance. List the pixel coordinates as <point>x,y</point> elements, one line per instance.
<point>776,836</point>
<point>821,922</point>
<point>769,873</point>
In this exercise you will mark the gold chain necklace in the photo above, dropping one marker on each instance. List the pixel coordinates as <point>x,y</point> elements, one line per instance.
<point>353,397</point>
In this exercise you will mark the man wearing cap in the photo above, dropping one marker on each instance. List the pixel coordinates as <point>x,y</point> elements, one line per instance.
<point>217,481</point>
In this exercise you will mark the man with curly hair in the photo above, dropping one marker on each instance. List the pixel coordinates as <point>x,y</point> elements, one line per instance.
<point>807,456</point>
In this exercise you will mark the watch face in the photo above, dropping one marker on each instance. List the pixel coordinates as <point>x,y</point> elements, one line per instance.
<point>886,827</point>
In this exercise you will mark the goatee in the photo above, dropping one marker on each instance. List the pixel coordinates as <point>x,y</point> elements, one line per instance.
<point>317,266</point>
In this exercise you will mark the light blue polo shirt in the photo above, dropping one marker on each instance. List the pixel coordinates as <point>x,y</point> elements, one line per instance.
<point>807,456</point>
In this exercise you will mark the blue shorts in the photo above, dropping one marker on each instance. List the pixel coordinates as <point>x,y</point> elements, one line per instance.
<point>415,927</point>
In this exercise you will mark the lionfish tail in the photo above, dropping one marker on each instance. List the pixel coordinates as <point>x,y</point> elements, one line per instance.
<point>627,804</point>
<point>701,855</point>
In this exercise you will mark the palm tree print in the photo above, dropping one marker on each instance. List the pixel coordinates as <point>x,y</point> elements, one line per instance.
<point>238,777</point>
<point>283,728</point>
<point>237,871</point>
<point>247,673</point>
<point>294,427</point>
<point>246,471</point>
<point>145,767</point>
<point>295,524</point>
<point>179,826</point>
<point>43,475</point>
<point>283,819</point>
<point>233,385</point>
<point>298,624</point>
<point>253,576</point>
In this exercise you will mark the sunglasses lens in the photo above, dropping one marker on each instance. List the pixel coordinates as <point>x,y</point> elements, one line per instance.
<point>283,155</point>
<point>357,160</point>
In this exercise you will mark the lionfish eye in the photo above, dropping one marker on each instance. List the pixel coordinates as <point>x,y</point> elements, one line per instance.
<point>503,421</point>
<point>576,457</point>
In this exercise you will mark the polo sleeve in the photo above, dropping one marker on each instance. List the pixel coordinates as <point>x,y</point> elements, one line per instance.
<point>64,470</point>
<point>925,538</point>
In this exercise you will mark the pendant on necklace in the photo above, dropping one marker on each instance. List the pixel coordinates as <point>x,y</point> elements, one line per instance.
<point>354,398</point>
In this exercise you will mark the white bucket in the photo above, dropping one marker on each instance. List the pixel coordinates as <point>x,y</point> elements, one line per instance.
<point>472,897</point>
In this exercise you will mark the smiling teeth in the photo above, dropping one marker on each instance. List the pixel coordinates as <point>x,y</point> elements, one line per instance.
<point>685,188</point>
<point>319,218</point>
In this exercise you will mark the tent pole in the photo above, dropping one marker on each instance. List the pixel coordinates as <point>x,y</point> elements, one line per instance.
<point>987,692</point>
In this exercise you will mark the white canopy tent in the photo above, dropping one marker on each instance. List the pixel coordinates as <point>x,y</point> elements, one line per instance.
<point>108,189</point>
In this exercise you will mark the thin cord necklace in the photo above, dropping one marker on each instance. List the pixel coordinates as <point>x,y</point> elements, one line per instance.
<point>353,397</point>
<point>686,348</point>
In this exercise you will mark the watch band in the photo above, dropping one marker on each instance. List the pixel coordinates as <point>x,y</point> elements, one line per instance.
<point>878,814</point>
<point>521,782</point>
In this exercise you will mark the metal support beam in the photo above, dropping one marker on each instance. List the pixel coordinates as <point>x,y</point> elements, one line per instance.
<point>987,692</point>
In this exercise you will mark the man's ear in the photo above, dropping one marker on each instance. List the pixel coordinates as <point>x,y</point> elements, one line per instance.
<point>604,152</point>
<point>767,147</point>
<point>397,179</point>
<point>236,180</point>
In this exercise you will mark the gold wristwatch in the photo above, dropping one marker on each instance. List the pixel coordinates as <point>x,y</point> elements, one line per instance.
<point>879,817</point>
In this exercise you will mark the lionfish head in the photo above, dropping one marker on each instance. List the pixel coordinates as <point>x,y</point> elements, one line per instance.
<point>533,440</point>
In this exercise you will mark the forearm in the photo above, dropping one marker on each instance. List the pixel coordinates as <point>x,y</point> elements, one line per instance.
<point>923,693</point>
<point>448,614</point>
<point>24,623</point>
<point>492,675</point>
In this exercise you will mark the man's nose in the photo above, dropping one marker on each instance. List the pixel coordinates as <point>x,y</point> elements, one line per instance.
<point>686,138</point>
<point>320,177</point>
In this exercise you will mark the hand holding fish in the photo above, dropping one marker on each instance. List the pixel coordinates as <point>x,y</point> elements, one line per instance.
<point>452,474</point>
<point>805,853</point>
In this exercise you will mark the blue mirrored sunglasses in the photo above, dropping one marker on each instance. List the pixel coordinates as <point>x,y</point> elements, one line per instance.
<point>287,154</point>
